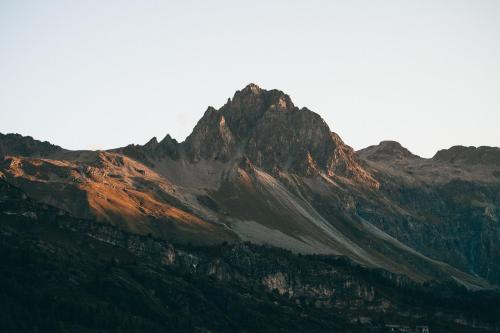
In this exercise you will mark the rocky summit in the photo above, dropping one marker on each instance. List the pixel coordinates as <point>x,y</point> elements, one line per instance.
<point>268,130</point>
<point>265,203</point>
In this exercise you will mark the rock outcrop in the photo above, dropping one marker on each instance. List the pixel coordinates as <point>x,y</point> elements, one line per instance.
<point>469,155</point>
<point>18,145</point>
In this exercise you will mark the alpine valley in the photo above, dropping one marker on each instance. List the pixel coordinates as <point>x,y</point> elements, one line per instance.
<point>262,220</point>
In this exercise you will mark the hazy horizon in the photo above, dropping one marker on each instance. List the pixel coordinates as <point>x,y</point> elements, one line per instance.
<point>100,76</point>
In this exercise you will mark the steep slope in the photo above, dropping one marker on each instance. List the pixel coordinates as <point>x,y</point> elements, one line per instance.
<point>257,169</point>
<point>447,207</point>
<point>116,189</point>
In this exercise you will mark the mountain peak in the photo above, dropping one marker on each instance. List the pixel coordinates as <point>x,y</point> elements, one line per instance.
<point>152,142</point>
<point>387,150</point>
<point>252,88</point>
<point>254,99</point>
<point>268,129</point>
<point>16,144</point>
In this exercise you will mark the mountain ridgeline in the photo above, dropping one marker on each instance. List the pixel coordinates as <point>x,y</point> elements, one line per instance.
<point>266,129</point>
<point>262,172</point>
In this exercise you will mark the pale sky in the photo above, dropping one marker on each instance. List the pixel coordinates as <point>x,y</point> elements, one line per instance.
<point>103,74</point>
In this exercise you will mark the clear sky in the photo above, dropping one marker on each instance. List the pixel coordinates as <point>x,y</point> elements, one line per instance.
<point>103,74</point>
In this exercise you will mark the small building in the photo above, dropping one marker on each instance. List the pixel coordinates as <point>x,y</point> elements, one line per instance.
<point>422,329</point>
<point>393,328</point>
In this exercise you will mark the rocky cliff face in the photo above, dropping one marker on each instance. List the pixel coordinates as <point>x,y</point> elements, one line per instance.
<point>262,170</point>
<point>268,129</point>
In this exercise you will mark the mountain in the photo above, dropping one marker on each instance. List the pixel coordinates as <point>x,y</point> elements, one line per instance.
<point>447,207</point>
<point>262,170</point>
<point>265,128</point>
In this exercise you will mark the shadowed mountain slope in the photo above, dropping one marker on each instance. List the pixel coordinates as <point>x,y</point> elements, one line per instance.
<point>61,273</point>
